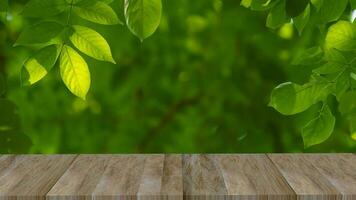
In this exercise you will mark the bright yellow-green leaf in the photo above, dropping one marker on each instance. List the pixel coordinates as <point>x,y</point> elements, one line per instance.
<point>341,36</point>
<point>143,16</point>
<point>74,72</point>
<point>36,67</point>
<point>320,128</point>
<point>91,43</point>
<point>97,12</point>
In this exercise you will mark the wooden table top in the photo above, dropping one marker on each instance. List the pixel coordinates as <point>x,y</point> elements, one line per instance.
<point>187,176</point>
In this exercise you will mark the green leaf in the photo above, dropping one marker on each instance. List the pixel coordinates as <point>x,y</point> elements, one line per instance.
<point>74,72</point>
<point>301,21</point>
<point>295,8</point>
<point>289,98</point>
<point>320,128</point>
<point>347,104</point>
<point>97,12</point>
<point>331,10</point>
<point>277,16</point>
<point>44,8</point>
<point>311,56</point>
<point>329,68</point>
<point>91,43</point>
<point>336,62</point>
<point>317,3</point>
<point>343,84</point>
<point>341,36</point>
<point>259,4</point>
<point>41,33</point>
<point>37,67</point>
<point>143,16</point>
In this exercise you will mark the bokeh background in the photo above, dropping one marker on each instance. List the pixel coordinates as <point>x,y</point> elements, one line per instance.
<point>201,83</point>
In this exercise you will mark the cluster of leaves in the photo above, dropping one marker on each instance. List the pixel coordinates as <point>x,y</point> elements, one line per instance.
<point>53,38</point>
<point>334,67</point>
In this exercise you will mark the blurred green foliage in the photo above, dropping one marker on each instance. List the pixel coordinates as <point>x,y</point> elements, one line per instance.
<point>201,83</point>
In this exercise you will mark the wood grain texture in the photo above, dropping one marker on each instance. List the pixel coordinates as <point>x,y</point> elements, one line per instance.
<point>233,177</point>
<point>305,179</point>
<point>178,177</point>
<point>121,177</point>
<point>339,169</point>
<point>31,177</point>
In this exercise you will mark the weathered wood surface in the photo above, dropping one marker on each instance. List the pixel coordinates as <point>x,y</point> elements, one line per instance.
<point>188,176</point>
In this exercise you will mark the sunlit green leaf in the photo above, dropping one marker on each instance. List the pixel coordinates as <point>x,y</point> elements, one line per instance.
<point>341,36</point>
<point>301,20</point>
<point>91,43</point>
<point>97,12</point>
<point>289,98</point>
<point>320,128</point>
<point>311,56</point>
<point>44,8</point>
<point>37,67</point>
<point>143,16</point>
<point>331,10</point>
<point>40,33</point>
<point>277,16</point>
<point>74,72</point>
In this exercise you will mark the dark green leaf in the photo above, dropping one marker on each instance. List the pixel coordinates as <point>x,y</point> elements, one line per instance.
<point>44,8</point>
<point>46,32</point>
<point>296,7</point>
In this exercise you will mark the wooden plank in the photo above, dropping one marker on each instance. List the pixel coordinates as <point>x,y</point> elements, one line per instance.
<point>339,169</point>
<point>31,177</point>
<point>121,177</point>
<point>80,179</point>
<point>304,178</point>
<point>233,177</point>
